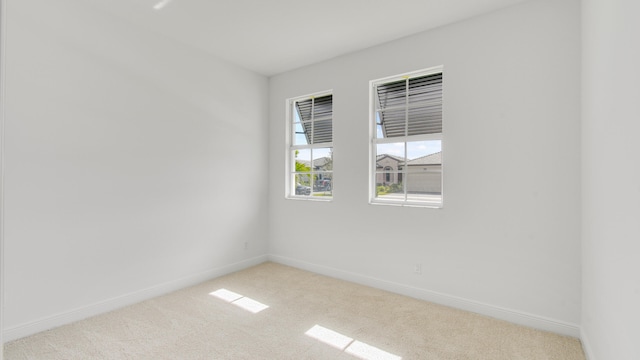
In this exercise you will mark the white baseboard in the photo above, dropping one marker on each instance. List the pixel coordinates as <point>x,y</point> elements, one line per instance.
<point>586,345</point>
<point>107,305</point>
<point>513,316</point>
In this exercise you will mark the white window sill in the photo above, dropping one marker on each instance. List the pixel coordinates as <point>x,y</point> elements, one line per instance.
<point>310,198</point>
<point>407,204</point>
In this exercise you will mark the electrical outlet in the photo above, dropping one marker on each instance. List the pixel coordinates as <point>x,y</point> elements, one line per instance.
<point>417,269</point>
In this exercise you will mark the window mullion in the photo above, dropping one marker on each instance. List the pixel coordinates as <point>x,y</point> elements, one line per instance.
<point>404,169</point>
<point>406,133</point>
<point>406,107</point>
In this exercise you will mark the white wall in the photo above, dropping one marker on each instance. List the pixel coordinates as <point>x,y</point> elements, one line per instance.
<point>134,165</point>
<point>611,180</point>
<point>507,242</point>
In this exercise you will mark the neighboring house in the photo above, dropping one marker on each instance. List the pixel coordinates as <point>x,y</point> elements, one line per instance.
<point>322,180</point>
<point>387,169</point>
<point>424,174</point>
<point>319,164</point>
<point>322,164</point>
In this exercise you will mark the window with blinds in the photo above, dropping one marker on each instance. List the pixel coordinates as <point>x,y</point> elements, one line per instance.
<point>315,119</point>
<point>310,155</point>
<point>406,153</point>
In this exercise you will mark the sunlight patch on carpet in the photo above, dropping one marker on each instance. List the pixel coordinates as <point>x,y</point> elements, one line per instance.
<point>250,305</point>
<point>353,347</point>
<point>241,301</point>
<point>329,337</point>
<point>226,295</point>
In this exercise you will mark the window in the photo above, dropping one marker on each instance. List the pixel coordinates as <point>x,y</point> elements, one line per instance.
<point>310,147</point>
<point>406,139</point>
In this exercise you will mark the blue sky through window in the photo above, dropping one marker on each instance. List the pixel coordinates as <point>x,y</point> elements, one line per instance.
<point>415,149</point>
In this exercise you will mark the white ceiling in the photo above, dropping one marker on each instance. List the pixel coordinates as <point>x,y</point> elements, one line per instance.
<point>273,36</point>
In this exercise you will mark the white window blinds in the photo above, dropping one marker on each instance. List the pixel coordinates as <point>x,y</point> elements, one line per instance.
<point>316,117</point>
<point>412,106</point>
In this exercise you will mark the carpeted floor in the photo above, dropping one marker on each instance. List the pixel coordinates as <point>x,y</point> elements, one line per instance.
<point>309,316</point>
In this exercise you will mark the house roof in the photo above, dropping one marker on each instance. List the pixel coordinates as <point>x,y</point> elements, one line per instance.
<point>400,160</point>
<point>431,159</point>
<point>319,162</point>
<point>396,158</point>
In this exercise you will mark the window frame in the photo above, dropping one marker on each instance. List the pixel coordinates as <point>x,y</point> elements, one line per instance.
<point>291,146</point>
<point>374,141</point>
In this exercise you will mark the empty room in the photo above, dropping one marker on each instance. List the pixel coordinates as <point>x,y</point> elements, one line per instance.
<point>287,179</point>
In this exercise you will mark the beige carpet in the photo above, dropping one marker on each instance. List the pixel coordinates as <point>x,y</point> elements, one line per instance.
<point>309,316</point>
